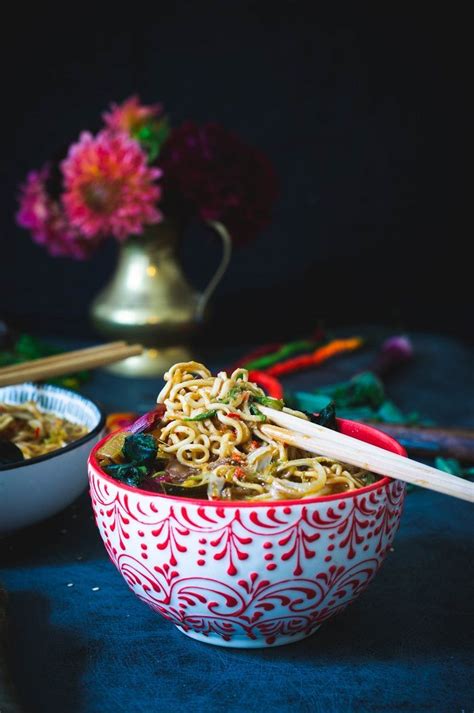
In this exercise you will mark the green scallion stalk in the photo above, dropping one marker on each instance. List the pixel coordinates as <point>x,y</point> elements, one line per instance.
<point>201,416</point>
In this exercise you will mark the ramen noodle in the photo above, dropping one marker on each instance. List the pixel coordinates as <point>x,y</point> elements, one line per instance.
<point>34,431</point>
<point>210,444</point>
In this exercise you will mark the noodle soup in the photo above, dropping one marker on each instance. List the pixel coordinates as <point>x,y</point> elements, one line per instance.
<point>36,432</point>
<point>204,440</point>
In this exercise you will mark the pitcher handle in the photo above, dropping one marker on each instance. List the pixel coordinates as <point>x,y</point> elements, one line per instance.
<point>203,298</point>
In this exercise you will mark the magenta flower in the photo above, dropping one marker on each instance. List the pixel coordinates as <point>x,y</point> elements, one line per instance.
<point>212,173</point>
<point>108,187</point>
<point>44,217</point>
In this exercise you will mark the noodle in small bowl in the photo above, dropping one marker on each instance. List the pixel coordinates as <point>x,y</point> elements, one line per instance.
<point>247,573</point>
<point>54,472</point>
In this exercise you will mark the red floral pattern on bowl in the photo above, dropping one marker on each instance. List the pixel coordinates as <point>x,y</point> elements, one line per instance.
<point>249,574</point>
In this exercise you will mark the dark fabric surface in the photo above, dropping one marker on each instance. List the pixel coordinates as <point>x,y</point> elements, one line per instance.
<point>405,645</point>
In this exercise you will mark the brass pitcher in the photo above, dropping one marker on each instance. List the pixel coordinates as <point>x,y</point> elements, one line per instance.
<point>148,300</point>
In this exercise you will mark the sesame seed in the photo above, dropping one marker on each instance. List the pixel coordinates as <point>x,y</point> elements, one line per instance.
<point>95,589</point>
<point>70,584</point>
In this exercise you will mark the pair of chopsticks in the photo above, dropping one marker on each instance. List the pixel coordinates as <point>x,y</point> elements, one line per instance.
<point>68,362</point>
<point>332,444</point>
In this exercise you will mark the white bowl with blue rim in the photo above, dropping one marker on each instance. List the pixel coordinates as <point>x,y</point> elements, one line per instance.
<point>34,489</point>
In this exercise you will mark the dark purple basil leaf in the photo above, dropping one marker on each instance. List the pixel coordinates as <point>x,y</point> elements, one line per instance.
<point>149,420</point>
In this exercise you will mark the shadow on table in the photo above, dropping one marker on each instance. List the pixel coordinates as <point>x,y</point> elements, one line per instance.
<point>419,605</point>
<point>46,661</point>
<point>67,536</point>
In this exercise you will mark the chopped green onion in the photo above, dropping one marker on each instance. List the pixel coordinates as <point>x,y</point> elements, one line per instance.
<point>255,412</point>
<point>277,404</point>
<point>235,391</point>
<point>201,416</point>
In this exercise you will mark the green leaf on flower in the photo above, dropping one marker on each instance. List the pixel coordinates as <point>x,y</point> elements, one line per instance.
<point>152,136</point>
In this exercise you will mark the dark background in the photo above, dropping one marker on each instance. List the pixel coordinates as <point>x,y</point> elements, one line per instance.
<point>362,112</point>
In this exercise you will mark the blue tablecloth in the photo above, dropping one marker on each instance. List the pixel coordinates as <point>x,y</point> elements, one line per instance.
<point>405,645</point>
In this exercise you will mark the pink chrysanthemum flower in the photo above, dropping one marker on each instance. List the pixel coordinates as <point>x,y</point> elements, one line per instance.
<point>131,115</point>
<point>109,188</point>
<point>45,219</point>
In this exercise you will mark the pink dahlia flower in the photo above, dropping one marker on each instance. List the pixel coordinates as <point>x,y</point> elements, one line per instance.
<point>109,188</point>
<point>131,115</point>
<point>45,219</point>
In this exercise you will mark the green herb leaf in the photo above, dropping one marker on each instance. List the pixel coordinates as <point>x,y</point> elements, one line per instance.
<point>389,413</point>
<point>201,416</point>
<point>368,478</point>
<point>304,401</point>
<point>326,417</point>
<point>127,473</point>
<point>277,404</point>
<point>255,412</point>
<point>449,465</point>
<point>234,391</point>
<point>140,448</point>
<point>363,389</point>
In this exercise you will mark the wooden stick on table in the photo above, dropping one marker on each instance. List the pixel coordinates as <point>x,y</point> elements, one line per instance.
<point>68,362</point>
<point>432,440</point>
<point>332,444</point>
<point>59,358</point>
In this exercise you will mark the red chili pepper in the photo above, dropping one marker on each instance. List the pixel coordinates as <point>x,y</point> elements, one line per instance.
<point>295,364</point>
<point>239,473</point>
<point>337,346</point>
<point>235,415</point>
<point>37,432</point>
<point>271,385</point>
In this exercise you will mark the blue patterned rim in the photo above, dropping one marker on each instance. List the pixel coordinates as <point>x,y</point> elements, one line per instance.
<point>61,402</point>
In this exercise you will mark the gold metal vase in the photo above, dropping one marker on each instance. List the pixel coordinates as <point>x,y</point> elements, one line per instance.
<point>148,300</point>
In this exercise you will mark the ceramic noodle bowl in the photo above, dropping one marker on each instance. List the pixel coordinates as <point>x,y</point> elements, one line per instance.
<point>249,574</point>
<point>37,488</point>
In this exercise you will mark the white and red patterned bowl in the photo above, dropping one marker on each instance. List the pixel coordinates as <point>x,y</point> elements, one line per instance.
<point>249,574</point>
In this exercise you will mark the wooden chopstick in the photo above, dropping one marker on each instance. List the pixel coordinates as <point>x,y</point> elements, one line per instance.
<point>55,358</point>
<point>332,444</point>
<point>68,363</point>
